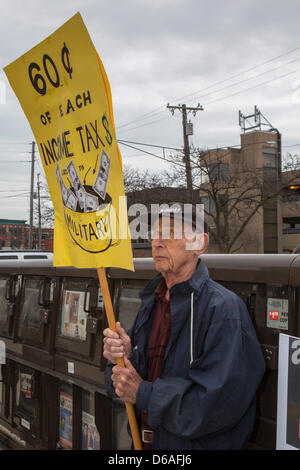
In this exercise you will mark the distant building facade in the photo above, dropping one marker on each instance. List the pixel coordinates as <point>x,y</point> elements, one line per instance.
<point>274,227</point>
<point>290,207</point>
<point>47,238</point>
<point>14,235</point>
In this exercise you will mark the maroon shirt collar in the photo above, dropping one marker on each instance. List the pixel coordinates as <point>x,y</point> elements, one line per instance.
<point>161,290</point>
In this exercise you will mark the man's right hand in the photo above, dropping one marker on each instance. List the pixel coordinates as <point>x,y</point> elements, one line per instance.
<point>116,344</point>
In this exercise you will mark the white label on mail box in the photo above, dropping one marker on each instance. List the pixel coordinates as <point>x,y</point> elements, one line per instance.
<point>25,423</point>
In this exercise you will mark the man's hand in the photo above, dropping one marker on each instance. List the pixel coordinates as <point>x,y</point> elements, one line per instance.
<point>116,344</point>
<point>126,381</point>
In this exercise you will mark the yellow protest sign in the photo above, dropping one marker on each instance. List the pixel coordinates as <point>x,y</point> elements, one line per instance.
<point>65,94</point>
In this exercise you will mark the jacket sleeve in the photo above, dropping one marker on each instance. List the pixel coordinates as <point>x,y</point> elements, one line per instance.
<point>220,386</point>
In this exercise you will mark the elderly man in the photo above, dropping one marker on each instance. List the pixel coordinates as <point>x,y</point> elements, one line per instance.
<point>192,360</point>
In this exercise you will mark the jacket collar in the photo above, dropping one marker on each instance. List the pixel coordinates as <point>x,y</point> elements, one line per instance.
<point>183,289</point>
<point>195,283</point>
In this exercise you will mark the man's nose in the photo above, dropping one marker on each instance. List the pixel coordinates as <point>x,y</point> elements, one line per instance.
<point>158,242</point>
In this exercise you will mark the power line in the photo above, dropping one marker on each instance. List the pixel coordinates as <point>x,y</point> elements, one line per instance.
<point>7,142</point>
<point>15,161</point>
<point>195,96</point>
<point>223,98</point>
<point>147,123</point>
<point>12,190</point>
<point>241,73</point>
<point>252,87</point>
<point>153,154</point>
<point>250,78</point>
<point>224,147</point>
<point>142,117</point>
<point>148,145</point>
<point>155,111</point>
<point>15,195</point>
<point>166,147</point>
<point>292,145</point>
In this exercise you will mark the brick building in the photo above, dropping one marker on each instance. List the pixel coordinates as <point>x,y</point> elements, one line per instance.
<point>14,235</point>
<point>47,238</point>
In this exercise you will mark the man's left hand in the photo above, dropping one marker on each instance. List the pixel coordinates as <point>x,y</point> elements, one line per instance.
<point>126,381</point>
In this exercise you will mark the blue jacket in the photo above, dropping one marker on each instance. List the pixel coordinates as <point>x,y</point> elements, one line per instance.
<point>213,366</point>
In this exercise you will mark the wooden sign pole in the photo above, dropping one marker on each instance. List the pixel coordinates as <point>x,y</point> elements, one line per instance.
<point>120,361</point>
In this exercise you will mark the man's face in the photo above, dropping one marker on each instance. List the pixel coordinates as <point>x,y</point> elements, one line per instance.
<point>170,253</point>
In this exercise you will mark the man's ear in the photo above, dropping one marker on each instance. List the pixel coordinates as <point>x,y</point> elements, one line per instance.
<point>204,238</point>
<point>199,245</point>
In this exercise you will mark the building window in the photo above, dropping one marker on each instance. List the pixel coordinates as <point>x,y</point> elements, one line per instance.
<point>291,225</point>
<point>218,172</point>
<point>269,160</point>
<point>209,204</point>
<point>269,157</point>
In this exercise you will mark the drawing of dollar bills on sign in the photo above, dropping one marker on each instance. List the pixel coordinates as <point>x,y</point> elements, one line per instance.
<point>69,198</point>
<point>101,180</point>
<point>87,202</point>
<point>77,185</point>
<point>80,197</point>
<point>87,208</point>
<point>91,203</point>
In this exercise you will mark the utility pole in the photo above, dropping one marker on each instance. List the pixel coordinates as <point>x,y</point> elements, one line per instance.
<point>39,209</point>
<point>187,130</point>
<point>31,196</point>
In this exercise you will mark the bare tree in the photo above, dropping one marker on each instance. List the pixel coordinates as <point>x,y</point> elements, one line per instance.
<point>290,162</point>
<point>233,194</point>
<point>137,180</point>
<point>46,207</point>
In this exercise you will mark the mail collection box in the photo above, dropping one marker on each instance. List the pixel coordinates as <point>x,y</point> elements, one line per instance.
<point>52,391</point>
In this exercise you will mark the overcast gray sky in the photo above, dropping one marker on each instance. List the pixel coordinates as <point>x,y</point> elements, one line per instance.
<point>224,55</point>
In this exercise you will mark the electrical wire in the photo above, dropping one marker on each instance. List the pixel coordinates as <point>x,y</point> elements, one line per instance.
<point>241,73</point>
<point>15,195</point>
<point>205,150</point>
<point>222,98</point>
<point>248,79</point>
<point>149,123</point>
<point>6,142</point>
<point>153,155</point>
<point>252,87</point>
<point>149,145</point>
<point>195,94</point>
<point>12,190</point>
<point>292,145</point>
